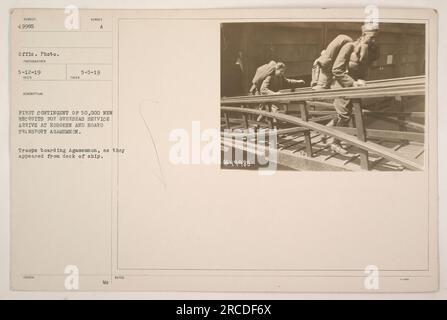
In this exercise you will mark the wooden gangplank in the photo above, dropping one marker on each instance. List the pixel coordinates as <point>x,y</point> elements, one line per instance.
<point>290,152</point>
<point>359,137</point>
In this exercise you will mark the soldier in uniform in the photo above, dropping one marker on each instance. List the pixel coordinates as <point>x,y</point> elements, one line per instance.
<point>321,70</point>
<point>323,67</point>
<point>269,79</point>
<point>348,63</point>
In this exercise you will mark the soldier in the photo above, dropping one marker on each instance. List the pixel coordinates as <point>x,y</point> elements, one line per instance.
<point>323,67</point>
<point>348,70</point>
<point>321,70</point>
<point>269,79</point>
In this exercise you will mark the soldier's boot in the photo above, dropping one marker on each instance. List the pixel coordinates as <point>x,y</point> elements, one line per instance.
<point>325,138</point>
<point>336,145</point>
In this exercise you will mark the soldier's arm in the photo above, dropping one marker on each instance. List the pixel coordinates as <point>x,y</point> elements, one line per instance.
<point>340,65</point>
<point>372,54</point>
<point>362,72</point>
<point>265,86</point>
<point>293,83</point>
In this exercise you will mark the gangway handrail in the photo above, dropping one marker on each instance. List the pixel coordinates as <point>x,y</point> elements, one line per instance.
<point>411,86</point>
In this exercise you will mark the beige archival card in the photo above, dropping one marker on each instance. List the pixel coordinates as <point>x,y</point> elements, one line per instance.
<point>224,150</point>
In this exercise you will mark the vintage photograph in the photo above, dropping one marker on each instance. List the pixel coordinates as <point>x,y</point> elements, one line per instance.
<point>125,176</point>
<point>323,96</point>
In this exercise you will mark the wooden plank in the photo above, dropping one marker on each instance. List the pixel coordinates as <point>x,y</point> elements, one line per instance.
<point>296,141</point>
<point>391,113</point>
<point>361,133</point>
<point>401,120</point>
<point>334,132</point>
<point>323,118</point>
<point>375,83</point>
<point>355,92</point>
<point>227,121</point>
<point>403,124</point>
<point>266,133</point>
<point>288,159</point>
<point>419,154</point>
<point>320,104</point>
<point>390,135</point>
<point>252,123</point>
<point>245,121</point>
<point>384,84</point>
<point>307,141</point>
<point>322,113</point>
<point>270,122</point>
<point>380,159</point>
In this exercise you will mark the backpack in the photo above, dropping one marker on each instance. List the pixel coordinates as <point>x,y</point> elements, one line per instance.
<point>331,52</point>
<point>261,73</point>
<point>327,57</point>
